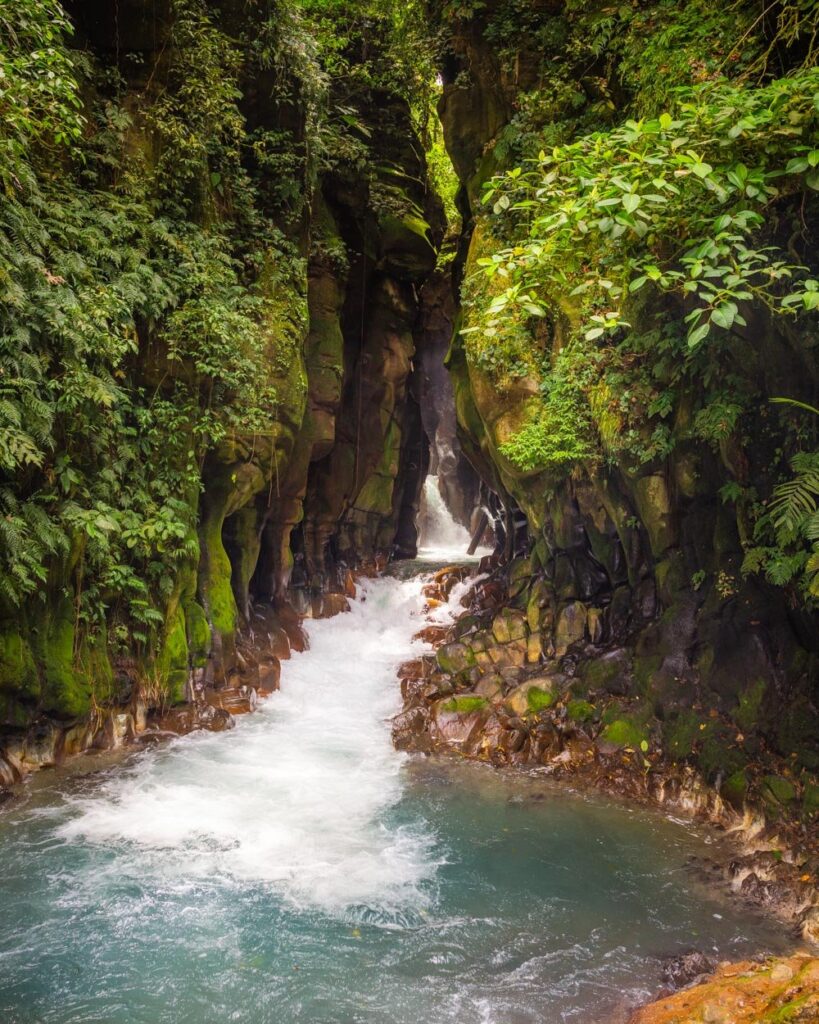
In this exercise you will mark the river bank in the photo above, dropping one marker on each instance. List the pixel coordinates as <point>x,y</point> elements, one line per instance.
<point>488,693</point>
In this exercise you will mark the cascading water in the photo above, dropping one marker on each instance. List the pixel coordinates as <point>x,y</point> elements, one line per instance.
<point>440,537</point>
<point>298,870</point>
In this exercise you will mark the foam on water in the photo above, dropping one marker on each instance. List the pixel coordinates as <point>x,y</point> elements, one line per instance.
<point>296,796</point>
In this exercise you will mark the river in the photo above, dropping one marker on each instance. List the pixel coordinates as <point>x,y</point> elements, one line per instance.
<point>299,869</point>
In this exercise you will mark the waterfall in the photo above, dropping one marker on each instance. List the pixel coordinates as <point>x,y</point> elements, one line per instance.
<point>439,536</point>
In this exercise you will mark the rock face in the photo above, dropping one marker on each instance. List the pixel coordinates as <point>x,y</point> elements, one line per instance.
<point>629,569</point>
<point>744,993</point>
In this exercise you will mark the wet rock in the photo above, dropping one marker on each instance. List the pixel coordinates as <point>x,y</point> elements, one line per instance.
<point>270,676</point>
<point>570,627</point>
<point>532,696</point>
<point>509,625</point>
<point>325,606</point>
<point>9,776</point>
<point>432,634</point>
<point>490,686</point>
<point>595,625</point>
<point>457,722</point>
<point>545,742</point>
<point>455,657</point>
<point>191,718</point>
<point>686,968</point>
<point>534,648</point>
<point>610,672</point>
<point>410,730</point>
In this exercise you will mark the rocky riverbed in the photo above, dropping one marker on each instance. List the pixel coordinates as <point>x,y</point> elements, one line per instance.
<point>500,689</point>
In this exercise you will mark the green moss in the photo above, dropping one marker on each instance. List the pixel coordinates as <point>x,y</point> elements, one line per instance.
<point>601,673</point>
<point>538,699</point>
<point>465,705</point>
<point>777,789</point>
<point>217,591</point>
<point>681,733</point>
<point>810,799</point>
<point>645,668</point>
<point>172,661</point>
<point>18,671</point>
<point>454,658</point>
<point>580,710</point>
<point>798,732</point>
<point>66,693</point>
<point>750,705</point>
<point>13,713</point>
<point>735,788</point>
<point>790,1011</point>
<point>718,753</point>
<point>624,732</point>
<point>198,632</point>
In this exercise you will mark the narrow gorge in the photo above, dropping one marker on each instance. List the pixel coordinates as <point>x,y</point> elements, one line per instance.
<point>409,511</point>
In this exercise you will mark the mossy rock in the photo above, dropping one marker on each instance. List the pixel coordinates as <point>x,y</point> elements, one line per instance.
<point>198,633</point>
<point>406,246</point>
<point>454,658</point>
<point>172,662</point>
<point>718,754</point>
<point>13,713</point>
<point>681,734</point>
<point>810,799</point>
<point>72,679</point>
<point>747,713</point>
<point>18,670</point>
<point>777,790</point>
<point>798,732</point>
<point>466,704</point>
<point>531,697</point>
<point>610,672</point>
<point>539,700</point>
<point>580,711</point>
<point>508,625</point>
<point>646,667</point>
<point>735,788</point>
<point>625,732</point>
<point>570,627</point>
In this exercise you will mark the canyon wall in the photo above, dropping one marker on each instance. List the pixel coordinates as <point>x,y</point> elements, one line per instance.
<point>632,576</point>
<point>273,398</point>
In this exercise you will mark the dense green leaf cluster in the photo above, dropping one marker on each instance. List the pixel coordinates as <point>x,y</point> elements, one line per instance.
<point>132,320</point>
<point>655,216</point>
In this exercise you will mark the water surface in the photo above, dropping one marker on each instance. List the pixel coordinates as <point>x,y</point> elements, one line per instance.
<point>299,870</point>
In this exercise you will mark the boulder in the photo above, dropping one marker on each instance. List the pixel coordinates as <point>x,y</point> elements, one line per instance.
<point>508,625</point>
<point>455,657</point>
<point>457,722</point>
<point>571,626</point>
<point>532,696</point>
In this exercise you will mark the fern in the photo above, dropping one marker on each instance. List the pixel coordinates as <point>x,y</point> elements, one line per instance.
<point>794,501</point>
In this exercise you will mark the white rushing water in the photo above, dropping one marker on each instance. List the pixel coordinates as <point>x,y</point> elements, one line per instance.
<point>441,538</point>
<point>296,796</point>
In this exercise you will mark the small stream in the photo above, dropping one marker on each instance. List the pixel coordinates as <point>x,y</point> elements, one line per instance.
<point>298,869</point>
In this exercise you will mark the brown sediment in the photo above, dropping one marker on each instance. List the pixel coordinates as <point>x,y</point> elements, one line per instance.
<point>784,989</point>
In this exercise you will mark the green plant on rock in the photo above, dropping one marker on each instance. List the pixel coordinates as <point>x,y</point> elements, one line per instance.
<point>675,203</point>
<point>790,525</point>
